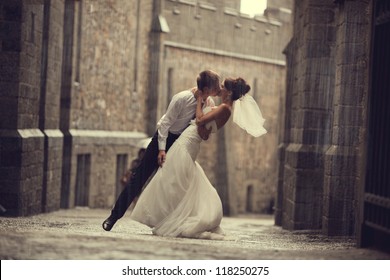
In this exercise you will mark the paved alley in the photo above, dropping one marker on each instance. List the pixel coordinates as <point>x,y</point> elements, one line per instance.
<point>77,234</point>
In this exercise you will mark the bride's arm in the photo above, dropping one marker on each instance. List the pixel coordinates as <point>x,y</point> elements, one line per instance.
<point>202,119</point>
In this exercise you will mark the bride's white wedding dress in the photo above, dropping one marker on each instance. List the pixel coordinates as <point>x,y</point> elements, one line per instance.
<point>180,201</point>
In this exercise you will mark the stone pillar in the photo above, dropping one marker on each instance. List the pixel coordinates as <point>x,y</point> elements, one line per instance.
<point>159,27</point>
<point>65,99</point>
<point>21,142</point>
<point>284,135</point>
<point>31,143</point>
<point>310,114</point>
<point>49,103</point>
<point>342,159</point>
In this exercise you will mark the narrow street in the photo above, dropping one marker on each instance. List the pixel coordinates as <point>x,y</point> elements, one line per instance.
<point>76,234</point>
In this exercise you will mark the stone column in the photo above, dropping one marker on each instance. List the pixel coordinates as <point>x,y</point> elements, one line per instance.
<point>342,159</point>
<point>159,27</point>
<point>310,117</point>
<point>21,141</point>
<point>65,99</point>
<point>285,125</point>
<point>53,18</point>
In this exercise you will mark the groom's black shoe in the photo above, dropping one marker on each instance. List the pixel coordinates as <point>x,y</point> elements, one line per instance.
<point>109,223</point>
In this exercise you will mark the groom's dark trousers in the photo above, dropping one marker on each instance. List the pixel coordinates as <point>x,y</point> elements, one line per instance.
<point>140,175</point>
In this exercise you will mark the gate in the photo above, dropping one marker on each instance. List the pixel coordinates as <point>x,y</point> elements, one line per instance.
<point>375,229</point>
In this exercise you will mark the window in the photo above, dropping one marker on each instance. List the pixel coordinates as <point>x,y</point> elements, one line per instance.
<point>82,179</point>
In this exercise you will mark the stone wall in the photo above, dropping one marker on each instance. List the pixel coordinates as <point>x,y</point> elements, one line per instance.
<point>106,96</point>
<point>52,45</point>
<point>311,105</point>
<point>320,149</point>
<point>21,141</point>
<point>202,36</point>
<point>30,144</point>
<point>84,81</point>
<point>109,67</point>
<point>343,161</point>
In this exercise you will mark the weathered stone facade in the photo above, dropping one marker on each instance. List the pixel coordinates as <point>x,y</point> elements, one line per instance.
<point>83,81</point>
<point>195,36</point>
<point>31,144</point>
<point>108,68</point>
<point>322,148</point>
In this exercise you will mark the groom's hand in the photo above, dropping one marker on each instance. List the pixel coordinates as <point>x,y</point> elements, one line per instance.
<point>203,132</point>
<point>161,157</point>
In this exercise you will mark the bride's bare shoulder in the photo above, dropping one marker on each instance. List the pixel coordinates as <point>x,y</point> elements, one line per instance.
<point>224,107</point>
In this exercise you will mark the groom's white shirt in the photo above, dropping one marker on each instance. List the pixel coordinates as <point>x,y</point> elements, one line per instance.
<point>180,112</point>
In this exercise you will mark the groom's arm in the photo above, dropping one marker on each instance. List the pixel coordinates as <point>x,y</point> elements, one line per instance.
<point>164,124</point>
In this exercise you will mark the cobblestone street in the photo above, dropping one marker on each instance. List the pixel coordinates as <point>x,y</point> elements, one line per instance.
<point>76,234</point>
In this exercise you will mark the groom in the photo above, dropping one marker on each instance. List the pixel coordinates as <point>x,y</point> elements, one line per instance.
<point>180,112</point>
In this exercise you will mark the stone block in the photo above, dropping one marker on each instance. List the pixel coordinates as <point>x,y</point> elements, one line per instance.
<point>316,49</point>
<point>336,227</point>
<point>348,95</point>
<point>304,156</point>
<point>352,76</point>
<point>317,119</point>
<point>346,136</point>
<point>357,12</point>
<point>320,15</point>
<point>341,161</point>
<point>351,53</point>
<point>317,137</point>
<point>303,194</point>
<point>344,116</point>
<point>303,215</point>
<point>319,93</point>
<point>309,179</point>
<point>319,67</point>
<point>340,187</point>
<point>333,207</point>
<point>321,33</point>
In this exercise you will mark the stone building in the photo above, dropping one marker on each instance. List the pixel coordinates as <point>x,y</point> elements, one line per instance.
<point>31,142</point>
<point>334,149</point>
<point>82,81</point>
<point>190,36</point>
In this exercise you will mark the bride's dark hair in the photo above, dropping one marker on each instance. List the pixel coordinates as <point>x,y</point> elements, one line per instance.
<point>238,87</point>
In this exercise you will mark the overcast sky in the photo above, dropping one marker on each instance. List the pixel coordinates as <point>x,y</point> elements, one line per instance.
<point>253,7</point>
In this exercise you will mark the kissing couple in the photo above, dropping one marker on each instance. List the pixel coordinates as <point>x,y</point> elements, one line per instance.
<point>179,200</point>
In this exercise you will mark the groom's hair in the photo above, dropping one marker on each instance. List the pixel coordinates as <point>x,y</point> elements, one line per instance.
<point>207,78</point>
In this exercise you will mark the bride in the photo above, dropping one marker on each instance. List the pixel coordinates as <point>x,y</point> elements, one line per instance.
<point>180,200</point>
